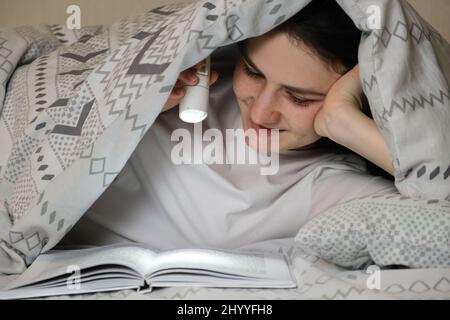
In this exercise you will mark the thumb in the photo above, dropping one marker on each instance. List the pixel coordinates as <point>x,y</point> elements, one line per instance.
<point>213,77</point>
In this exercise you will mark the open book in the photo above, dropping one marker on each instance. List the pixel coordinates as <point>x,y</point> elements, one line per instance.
<point>133,266</point>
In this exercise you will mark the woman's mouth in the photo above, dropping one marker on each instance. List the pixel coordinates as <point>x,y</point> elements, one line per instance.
<point>258,127</point>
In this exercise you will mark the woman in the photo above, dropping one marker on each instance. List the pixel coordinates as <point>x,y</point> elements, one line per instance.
<point>300,78</point>
<point>321,42</point>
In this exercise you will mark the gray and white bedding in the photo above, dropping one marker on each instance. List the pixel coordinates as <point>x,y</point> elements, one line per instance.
<point>74,105</point>
<point>316,279</point>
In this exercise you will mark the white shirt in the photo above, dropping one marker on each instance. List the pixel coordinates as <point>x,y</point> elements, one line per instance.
<point>170,206</point>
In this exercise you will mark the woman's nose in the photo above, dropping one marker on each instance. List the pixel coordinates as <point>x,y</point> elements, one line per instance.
<point>264,110</point>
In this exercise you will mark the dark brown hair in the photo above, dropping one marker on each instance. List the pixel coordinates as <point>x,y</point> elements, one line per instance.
<point>324,27</point>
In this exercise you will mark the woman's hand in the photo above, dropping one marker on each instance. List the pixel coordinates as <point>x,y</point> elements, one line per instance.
<point>343,99</point>
<point>342,120</point>
<point>186,78</point>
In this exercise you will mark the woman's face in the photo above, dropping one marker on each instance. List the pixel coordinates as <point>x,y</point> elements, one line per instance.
<point>280,85</point>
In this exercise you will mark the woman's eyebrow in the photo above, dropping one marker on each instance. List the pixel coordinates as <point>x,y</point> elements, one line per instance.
<point>302,91</point>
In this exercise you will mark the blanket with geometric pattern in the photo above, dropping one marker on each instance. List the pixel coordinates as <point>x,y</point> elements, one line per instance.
<point>74,104</point>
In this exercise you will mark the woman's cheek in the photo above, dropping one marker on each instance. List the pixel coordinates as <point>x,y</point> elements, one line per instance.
<point>239,85</point>
<point>244,87</point>
<point>303,117</point>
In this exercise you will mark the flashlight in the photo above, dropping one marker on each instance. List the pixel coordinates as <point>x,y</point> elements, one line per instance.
<point>193,107</point>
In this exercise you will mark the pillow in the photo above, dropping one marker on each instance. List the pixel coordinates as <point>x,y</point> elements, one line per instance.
<point>388,230</point>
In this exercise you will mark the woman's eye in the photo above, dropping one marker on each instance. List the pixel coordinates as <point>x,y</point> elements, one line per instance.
<point>298,101</point>
<point>250,72</point>
<point>301,102</point>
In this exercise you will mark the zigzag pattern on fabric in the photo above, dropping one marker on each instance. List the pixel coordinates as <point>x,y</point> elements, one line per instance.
<point>415,103</point>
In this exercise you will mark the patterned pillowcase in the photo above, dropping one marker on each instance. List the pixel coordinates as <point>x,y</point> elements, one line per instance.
<point>388,230</point>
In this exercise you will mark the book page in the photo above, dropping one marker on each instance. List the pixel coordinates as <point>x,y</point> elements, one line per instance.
<point>100,285</point>
<point>240,265</point>
<point>62,262</point>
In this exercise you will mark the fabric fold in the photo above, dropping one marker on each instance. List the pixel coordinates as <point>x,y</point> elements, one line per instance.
<point>72,116</point>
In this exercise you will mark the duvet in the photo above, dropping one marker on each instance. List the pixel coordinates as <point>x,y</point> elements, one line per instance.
<point>74,103</point>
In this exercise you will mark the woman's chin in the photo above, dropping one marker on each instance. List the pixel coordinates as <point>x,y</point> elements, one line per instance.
<point>264,147</point>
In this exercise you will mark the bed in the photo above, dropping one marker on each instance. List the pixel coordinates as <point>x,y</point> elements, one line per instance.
<point>41,202</point>
<point>316,279</point>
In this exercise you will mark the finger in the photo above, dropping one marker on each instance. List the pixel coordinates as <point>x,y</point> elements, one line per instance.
<point>355,70</point>
<point>177,93</point>
<point>213,78</point>
<point>179,84</point>
<point>188,77</point>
